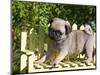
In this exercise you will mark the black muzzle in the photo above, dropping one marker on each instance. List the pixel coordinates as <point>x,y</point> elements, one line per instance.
<point>54,34</point>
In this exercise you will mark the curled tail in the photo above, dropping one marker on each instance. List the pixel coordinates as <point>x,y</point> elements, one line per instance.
<point>88,30</point>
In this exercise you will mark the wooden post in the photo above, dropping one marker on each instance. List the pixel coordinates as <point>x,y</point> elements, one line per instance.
<point>23,63</point>
<point>74,27</point>
<point>23,46</point>
<point>23,40</point>
<point>82,27</point>
<point>32,58</point>
<point>31,35</point>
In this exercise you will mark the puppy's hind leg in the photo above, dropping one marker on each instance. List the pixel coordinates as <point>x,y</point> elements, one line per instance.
<point>89,49</point>
<point>59,58</point>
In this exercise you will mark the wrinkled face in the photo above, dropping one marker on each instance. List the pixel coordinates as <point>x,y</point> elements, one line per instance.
<point>57,29</point>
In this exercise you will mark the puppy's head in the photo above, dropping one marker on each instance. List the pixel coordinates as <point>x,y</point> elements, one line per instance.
<point>58,29</point>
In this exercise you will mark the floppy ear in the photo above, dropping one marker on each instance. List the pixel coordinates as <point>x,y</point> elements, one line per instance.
<point>68,27</point>
<point>50,21</point>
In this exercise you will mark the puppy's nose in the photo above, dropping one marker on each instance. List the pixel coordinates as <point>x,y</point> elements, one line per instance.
<point>57,34</point>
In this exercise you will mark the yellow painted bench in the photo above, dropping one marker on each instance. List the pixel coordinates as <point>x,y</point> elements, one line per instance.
<point>29,56</point>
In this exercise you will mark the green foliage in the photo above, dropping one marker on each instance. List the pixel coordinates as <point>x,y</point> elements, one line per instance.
<point>36,15</point>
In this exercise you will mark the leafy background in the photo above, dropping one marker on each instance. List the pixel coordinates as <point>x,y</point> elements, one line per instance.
<point>36,15</point>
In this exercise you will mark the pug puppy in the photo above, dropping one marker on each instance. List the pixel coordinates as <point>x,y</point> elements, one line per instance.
<point>65,41</point>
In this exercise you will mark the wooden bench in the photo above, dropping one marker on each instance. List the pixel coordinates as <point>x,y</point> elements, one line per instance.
<point>29,56</point>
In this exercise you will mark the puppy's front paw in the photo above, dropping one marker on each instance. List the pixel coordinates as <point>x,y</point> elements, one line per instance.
<point>53,64</point>
<point>89,60</point>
